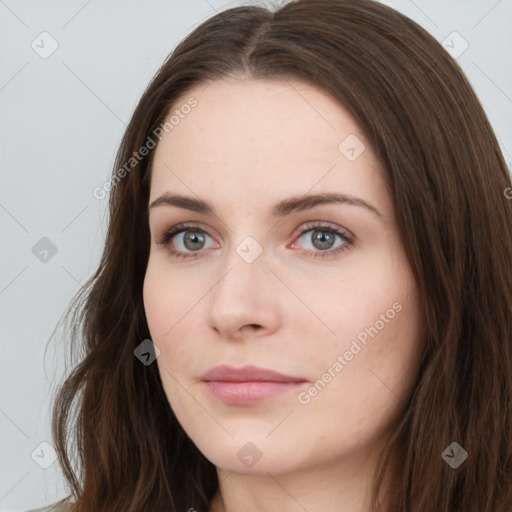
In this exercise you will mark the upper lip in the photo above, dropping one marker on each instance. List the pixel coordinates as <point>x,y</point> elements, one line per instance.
<point>247,373</point>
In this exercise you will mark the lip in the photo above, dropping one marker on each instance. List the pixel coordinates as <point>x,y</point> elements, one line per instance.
<point>248,384</point>
<point>247,373</point>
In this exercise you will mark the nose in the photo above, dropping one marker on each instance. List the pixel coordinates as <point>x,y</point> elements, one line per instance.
<point>244,301</point>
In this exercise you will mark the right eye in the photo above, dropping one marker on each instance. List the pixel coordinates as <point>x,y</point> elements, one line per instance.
<point>189,237</point>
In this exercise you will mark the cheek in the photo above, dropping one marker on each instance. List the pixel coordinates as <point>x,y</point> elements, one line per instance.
<point>380,358</point>
<point>376,317</point>
<point>358,308</point>
<point>155,296</point>
<point>158,295</point>
<point>170,305</point>
<point>168,298</point>
<point>360,387</point>
<point>396,353</point>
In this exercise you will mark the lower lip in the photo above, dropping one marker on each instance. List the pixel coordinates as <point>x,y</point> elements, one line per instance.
<point>246,393</point>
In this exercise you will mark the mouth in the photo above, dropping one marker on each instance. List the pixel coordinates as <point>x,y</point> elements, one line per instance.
<point>248,385</point>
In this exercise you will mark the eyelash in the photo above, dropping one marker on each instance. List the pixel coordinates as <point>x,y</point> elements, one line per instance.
<point>327,228</point>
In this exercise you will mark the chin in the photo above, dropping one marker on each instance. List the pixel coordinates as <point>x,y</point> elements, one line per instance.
<point>257,457</point>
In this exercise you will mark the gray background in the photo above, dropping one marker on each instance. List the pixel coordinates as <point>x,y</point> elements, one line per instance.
<point>61,120</point>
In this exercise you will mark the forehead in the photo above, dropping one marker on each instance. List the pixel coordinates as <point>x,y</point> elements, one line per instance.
<point>249,135</point>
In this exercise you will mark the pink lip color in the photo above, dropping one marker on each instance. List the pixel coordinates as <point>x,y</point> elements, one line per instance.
<point>247,385</point>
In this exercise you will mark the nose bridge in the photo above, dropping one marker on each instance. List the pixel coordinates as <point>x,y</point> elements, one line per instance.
<point>244,275</point>
<point>244,294</point>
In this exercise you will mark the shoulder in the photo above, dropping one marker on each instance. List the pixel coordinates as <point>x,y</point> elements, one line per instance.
<point>57,507</point>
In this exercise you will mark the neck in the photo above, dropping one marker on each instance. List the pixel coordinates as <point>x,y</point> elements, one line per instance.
<point>342,485</point>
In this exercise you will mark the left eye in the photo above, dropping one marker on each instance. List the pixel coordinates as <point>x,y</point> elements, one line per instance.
<point>322,240</point>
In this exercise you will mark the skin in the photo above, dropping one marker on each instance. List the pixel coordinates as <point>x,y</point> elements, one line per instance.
<point>247,145</point>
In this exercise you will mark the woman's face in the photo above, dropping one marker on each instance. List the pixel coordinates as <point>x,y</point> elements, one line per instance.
<point>271,271</point>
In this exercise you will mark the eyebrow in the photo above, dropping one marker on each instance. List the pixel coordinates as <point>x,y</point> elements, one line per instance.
<point>281,209</point>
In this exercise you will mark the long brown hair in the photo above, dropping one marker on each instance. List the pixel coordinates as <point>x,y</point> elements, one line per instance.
<point>119,443</point>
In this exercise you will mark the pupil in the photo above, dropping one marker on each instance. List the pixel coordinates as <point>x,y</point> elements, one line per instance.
<point>193,238</point>
<point>324,239</point>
